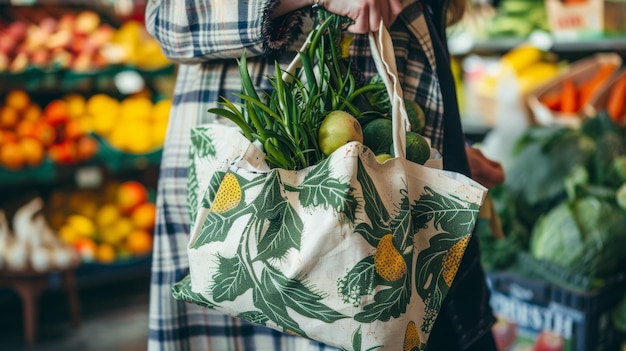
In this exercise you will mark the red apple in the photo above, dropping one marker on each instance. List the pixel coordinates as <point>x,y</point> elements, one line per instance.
<point>504,333</point>
<point>17,30</point>
<point>549,341</point>
<point>8,44</point>
<point>129,195</point>
<point>63,152</point>
<point>49,25</point>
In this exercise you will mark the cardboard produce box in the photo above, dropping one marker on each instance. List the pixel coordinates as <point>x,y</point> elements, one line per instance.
<point>579,73</point>
<point>575,19</point>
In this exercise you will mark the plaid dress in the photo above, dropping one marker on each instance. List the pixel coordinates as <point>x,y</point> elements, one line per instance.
<point>206,36</point>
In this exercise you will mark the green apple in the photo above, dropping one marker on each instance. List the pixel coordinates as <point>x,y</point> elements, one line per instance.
<point>337,129</point>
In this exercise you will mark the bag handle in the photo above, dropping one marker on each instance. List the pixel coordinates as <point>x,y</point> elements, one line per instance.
<point>383,54</point>
<point>382,51</point>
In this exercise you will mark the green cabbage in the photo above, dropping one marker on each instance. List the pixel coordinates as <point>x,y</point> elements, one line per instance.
<point>585,235</point>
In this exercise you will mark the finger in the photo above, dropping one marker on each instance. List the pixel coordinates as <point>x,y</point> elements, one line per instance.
<point>385,13</point>
<point>375,17</point>
<point>359,26</point>
<point>395,7</point>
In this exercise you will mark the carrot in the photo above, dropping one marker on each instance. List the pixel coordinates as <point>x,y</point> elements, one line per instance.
<point>568,98</point>
<point>589,88</point>
<point>615,104</point>
<point>551,101</point>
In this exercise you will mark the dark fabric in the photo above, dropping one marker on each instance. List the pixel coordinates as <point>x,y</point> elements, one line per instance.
<point>465,320</point>
<point>454,157</point>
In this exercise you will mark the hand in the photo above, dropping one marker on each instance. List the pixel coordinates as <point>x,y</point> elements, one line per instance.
<point>487,172</point>
<point>367,14</point>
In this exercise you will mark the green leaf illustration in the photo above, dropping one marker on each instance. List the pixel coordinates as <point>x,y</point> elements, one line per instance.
<point>429,280</point>
<point>320,189</point>
<point>202,139</point>
<point>388,303</point>
<point>449,215</point>
<point>357,339</point>
<point>402,225</point>
<point>359,281</point>
<point>254,317</point>
<point>376,212</point>
<point>182,291</point>
<point>214,185</point>
<point>283,233</point>
<point>268,298</point>
<point>192,185</point>
<point>215,229</point>
<point>272,192</point>
<point>297,296</point>
<point>231,279</point>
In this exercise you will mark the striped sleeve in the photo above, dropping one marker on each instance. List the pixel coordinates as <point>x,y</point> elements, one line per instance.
<point>194,31</point>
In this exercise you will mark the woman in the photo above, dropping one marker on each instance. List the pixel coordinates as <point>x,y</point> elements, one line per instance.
<point>206,36</point>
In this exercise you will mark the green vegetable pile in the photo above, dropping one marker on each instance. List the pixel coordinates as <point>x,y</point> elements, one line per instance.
<point>287,120</point>
<point>563,205</point>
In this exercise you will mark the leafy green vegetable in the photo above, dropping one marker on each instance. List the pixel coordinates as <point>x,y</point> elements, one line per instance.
<point>585,235</point>
<point>286,120</point>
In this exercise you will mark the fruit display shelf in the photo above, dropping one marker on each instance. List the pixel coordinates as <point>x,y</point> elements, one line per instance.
<point>63,79</point>
<point>108,159</point>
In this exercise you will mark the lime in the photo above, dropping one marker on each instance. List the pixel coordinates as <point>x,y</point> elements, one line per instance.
<point>417,148</point>
<point>337,129</point>
<point>381,158</point>
<point>377,135</point>
<point>416,115</point>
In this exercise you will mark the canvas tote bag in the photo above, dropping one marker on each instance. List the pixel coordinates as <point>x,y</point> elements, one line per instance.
<point>349,252</point>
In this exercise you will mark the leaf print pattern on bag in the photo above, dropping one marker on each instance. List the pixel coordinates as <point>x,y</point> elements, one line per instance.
<point>452,259</point>
<point>451,219</point>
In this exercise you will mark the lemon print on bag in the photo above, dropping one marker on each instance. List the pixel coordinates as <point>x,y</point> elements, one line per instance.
<point>388,262</point>
<point>411,338</point>
<point>228,195</point>
<point>452,259</point>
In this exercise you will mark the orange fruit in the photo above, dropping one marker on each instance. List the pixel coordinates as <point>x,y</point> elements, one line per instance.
<point>32,151</point>
<point>11,156</point>
<point>26,129</point>
<point>9,117</point>
<point>7,136</point>
<point>143,216</point>
<point>139,242</point>
<point>17,99</point>
<point>63,153</point>
<point>32,113</point>
<point>73,129</point>
<point>45,133</point>
<point>56,112</point>
<point>129,195</point>
<point>105,253</point>
<point>86,147</point>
